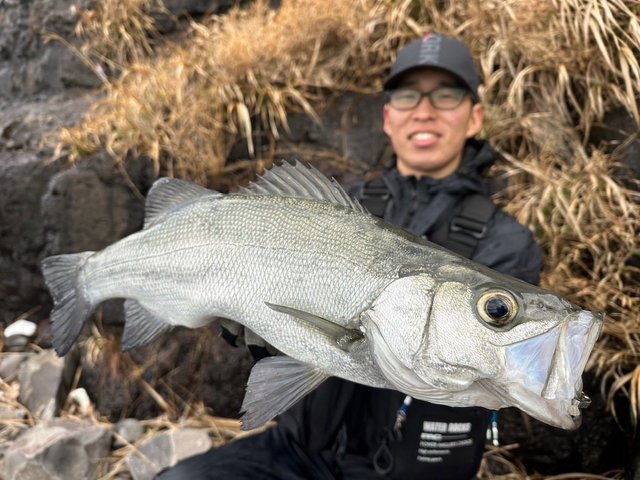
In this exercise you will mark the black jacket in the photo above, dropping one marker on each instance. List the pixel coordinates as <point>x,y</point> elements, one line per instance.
<point>352,423</point>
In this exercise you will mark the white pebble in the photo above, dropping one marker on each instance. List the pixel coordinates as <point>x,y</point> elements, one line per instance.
<point>20,327</point>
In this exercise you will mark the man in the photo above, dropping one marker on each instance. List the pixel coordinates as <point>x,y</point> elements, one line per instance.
<point>433,188</point>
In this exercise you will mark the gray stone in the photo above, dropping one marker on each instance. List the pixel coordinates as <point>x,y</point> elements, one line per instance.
<point>56,68</point>
<point>21,327</point>
<point>29,63</point>
<point>90,207</point>
<point>57,450</point>
<point>16,343</point>
<point>165,450</point>
<point>10,364</point>
<point>28,132</point>
<point>351,127</point>
<point>127,431</point>
<point>45,380</point>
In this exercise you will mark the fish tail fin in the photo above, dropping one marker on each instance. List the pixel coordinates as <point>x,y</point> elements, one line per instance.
<point>71,308</point>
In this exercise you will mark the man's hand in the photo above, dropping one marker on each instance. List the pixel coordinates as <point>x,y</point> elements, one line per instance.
<point>237,334</point>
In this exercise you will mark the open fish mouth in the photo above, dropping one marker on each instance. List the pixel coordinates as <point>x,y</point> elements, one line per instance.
<point>544,373</point>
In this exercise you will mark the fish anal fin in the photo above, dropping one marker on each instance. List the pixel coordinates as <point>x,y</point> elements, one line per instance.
<point>167,193</point>
<point>274,385</point>
<point>343,337</point>
<point>141,326</point>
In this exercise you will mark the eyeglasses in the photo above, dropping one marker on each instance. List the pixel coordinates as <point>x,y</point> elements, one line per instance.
<point>441,98</point>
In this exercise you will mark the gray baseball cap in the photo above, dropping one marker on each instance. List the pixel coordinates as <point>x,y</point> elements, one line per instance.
<point>436,51</point>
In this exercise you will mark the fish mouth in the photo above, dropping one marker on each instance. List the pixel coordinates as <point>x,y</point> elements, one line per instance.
<point>544,374</point>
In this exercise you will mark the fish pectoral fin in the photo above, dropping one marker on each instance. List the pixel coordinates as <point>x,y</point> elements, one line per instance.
<point>344,337</point>
<point>274,385</point>
<point>167,193</point>
<point>140,326</point>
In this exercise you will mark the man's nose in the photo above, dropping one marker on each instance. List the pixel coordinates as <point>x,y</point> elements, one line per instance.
<point>425,108</point>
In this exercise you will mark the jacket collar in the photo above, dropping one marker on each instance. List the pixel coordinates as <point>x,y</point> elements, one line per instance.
<point>477,157</point>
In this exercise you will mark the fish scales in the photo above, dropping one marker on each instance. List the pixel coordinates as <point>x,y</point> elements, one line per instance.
<point>230,261</point>
<point>337,292</point>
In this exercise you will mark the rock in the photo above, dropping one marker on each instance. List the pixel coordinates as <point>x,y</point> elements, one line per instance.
<point>26,167</point>
<point>57,450</point>
<point>351,126</point>
<point>20,327</point>
<point>127,431</point>
<point>80,397</point>
<point>10,364</point>
<point>29,64</point>
<point>92,205</point>
<point>18,335</point>
<point>44,380</point>
<point>165,450</point>
<point>16,343</point>
<point>199,7</point>
<point>23,180</point>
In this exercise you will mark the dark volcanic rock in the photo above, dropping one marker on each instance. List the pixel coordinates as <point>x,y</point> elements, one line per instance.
<point>93,205</point>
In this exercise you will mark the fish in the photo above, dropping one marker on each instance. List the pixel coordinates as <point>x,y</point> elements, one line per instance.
<point>337,292</point>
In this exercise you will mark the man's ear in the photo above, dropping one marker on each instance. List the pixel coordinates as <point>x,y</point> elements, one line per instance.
<point>476,120</point>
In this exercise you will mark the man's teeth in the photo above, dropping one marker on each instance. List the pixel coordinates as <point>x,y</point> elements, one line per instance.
<point>423,136</point>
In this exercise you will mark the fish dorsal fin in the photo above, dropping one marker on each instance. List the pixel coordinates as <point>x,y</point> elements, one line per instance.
<point>274,385</point>
<point>167,193</point>
<point>300,181</point>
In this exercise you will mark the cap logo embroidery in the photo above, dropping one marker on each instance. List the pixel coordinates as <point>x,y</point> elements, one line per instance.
<point>430,48</point>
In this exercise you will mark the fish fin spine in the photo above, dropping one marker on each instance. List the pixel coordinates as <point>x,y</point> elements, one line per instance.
<point>167,193</point>
<point>298,180</point>
<point>274,385</point>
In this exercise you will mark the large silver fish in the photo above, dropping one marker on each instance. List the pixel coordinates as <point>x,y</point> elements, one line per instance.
<point>338,292</point>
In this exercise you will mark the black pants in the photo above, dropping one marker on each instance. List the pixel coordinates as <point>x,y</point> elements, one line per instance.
<point>271,455</point>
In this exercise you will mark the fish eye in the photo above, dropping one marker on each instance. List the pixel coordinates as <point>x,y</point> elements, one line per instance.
<point>497,307</point>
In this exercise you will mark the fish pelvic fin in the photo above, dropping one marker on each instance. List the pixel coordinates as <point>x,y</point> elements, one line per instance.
<point>298,180</point>
<point>275,384</point>
<point>71,309</point>
<point>141,326</point>
<point>344,337</point>
<point>167,193</point>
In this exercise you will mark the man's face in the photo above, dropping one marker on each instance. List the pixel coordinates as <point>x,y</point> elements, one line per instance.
<point>427,141</point>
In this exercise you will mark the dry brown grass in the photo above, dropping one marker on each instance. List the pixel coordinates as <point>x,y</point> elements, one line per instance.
<point>117,33</point>
<point>499,463</point>
<point>552,68</point>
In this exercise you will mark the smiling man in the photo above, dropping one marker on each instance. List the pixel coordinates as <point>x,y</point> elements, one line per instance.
<point>433,188</point>
<point>429,118</point>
